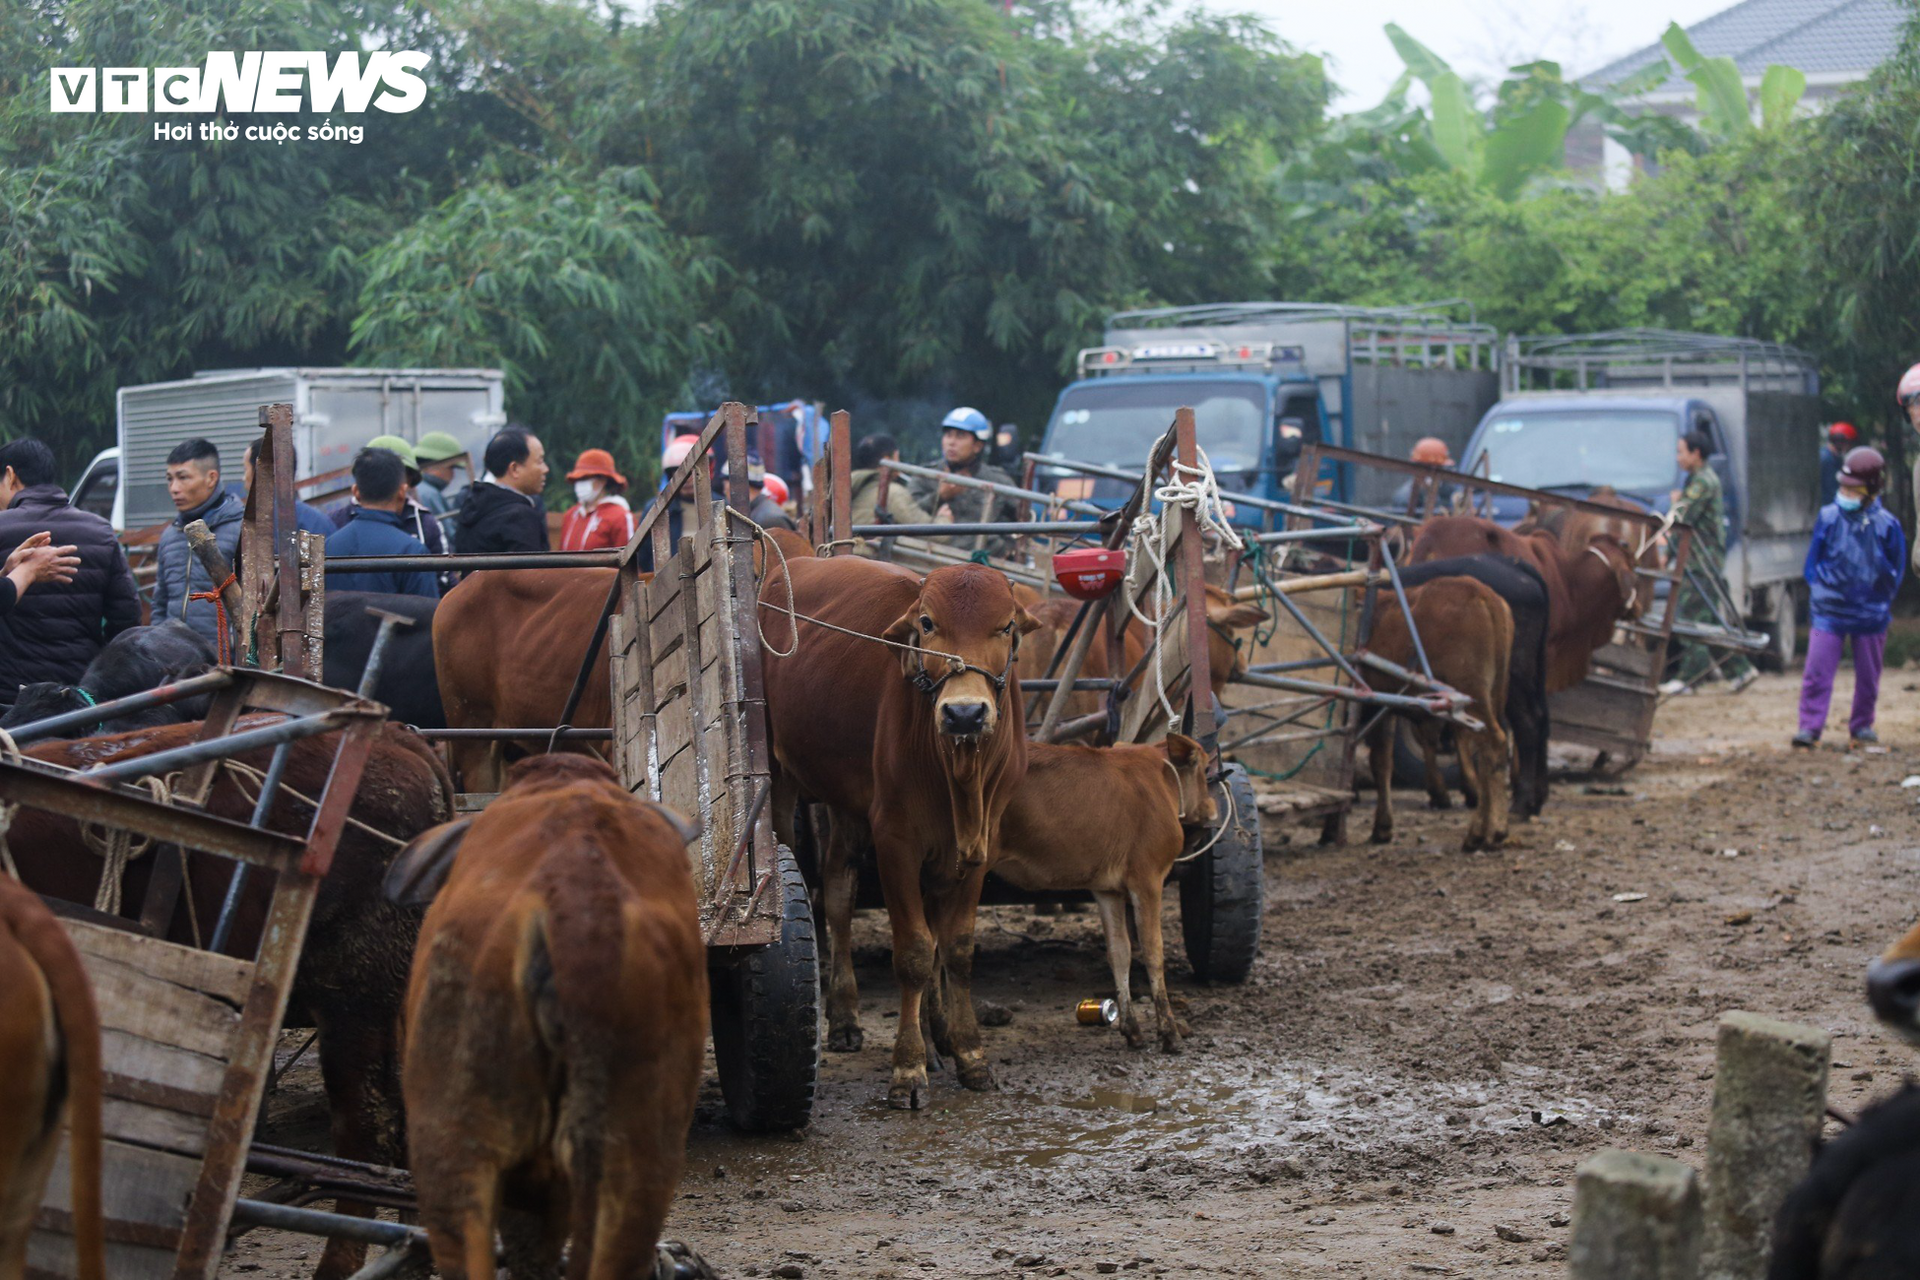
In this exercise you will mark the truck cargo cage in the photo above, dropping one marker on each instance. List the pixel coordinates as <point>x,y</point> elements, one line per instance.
<point>1642,359</point>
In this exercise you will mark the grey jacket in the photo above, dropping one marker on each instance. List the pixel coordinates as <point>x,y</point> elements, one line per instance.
<point>180,574</point>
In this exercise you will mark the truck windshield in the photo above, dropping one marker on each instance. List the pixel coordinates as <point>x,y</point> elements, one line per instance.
<point>1115,423</point>
<point>1630,449</point>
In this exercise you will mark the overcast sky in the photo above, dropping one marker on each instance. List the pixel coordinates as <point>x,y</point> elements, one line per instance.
<point>1479,37</point>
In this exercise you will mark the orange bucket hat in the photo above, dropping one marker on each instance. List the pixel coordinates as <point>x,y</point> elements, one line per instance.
<point>595,462</point>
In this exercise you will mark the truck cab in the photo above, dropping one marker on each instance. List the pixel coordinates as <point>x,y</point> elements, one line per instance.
<point>1264,380</point>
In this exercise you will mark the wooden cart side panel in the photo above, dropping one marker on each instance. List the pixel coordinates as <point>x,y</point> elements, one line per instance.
<point>144,1199</point>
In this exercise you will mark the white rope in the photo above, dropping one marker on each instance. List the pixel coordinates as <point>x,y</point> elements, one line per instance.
<point>1218,831</point>
<point>117,846</point>
<point>1195,489</point>
<point>11,749</point>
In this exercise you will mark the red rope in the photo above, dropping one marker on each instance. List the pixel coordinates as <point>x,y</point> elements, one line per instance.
<point>224,647</point>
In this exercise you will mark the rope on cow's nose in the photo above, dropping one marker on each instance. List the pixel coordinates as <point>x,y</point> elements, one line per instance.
<point>1219,831</point>
<point>1152,537</point>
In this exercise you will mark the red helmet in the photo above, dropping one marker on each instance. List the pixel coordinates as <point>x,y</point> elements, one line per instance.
<point>777,489</point>
<point>1845,431</point>
<point>1432,451</point>
<point>1909,386</point>
<point>1864,467</point>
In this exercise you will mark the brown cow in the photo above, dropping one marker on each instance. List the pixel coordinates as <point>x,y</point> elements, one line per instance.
<point>1590,588</point>
<point>50,1062</point>
<point>353,969</point>
<point>909,719</point>
<point>1467,631</point>
<point>1225,654</point>
<point>1110,820</point>
<point>507,644</point>
<point>555,1023</point>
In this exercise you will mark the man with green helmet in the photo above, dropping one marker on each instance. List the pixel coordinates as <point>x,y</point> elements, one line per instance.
<point>439,456</point>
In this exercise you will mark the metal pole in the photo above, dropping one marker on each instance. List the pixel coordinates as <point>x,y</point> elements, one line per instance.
<point>53,726</point>
<point>1063,528</point>
<point>507,735</point>
<point>1406,609</point>
<point>994,486</point>
<point>269,791</point>
<point>370,677</point>
<point>476,561</point>
<point>337,1226</point>
<point>598,638</point>
<point>165,762</point>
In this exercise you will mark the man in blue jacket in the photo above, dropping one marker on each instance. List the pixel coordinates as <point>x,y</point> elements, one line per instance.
<point>380,496</point>
<point>193,482</point>
<point>1854,566</point>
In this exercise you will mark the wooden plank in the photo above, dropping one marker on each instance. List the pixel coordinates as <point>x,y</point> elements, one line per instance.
<point>50,1257</point>
<point>133,1002</point>
<point>165,1065</point>
<point>1629,658</point>
<point>1142,718</point>
<point>136,1184</point>
<point>220,976</point>
<point>140,1124</point>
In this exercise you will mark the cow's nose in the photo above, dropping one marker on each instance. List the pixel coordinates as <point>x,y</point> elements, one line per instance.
<point>963,719</point>
<point>1893,989</point>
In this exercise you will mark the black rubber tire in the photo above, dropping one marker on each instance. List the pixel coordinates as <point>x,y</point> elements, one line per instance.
<point>766,1019</point>
<point>1410,770</point>
<point>1783,624</point>
<point>1222,892</point>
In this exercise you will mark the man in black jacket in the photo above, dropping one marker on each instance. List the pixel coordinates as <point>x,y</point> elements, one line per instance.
<point>505,513</point>
<point>55,630</point>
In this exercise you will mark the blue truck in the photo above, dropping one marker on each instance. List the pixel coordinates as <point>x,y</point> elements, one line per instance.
<point>1264,380</point>
<point>1607,409</point>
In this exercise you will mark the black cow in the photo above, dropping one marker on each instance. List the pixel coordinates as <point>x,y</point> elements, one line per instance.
<point>1520,585</point>
<point>1855,1215</point>
<point>407,683</point>
<point>136,660</point>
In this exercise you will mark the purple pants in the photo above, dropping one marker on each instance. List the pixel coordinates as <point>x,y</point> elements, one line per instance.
<point>1816,685</point>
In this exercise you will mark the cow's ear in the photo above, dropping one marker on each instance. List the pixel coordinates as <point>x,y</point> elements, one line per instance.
<point>421,869</point>
<point>1181,749</point>
<point>688,829</point>
<point>1237,615</point>
<point>903,628</point>
<point>1023,622</point>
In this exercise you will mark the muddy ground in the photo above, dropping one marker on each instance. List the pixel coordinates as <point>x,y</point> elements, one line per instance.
<point>1429,1045</point>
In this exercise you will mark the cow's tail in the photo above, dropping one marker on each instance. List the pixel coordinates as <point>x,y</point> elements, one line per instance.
<point>73,1007</point>
<point>573,971</point>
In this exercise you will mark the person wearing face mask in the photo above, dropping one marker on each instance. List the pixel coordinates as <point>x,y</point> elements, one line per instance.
<point>1854,565</point>
<point>600,518</point>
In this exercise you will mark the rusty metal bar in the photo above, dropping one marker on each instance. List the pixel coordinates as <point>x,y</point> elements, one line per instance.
<point>338,1226</point>
<point>288,620</point>
<point>1061,528</point>
<point>994,486</point>
<point>161,763</point>
<point>475,561</point>
<point>562,734</point>
<point>1193,574</point>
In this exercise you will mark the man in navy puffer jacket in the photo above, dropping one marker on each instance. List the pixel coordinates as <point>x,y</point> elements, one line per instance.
<point>1854,565</point>
<point>193,482</point>
<point>54,631</point>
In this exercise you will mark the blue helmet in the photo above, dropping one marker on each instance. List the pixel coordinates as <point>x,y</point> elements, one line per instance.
<point>971,421</point>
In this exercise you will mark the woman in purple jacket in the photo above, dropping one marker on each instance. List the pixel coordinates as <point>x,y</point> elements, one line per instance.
<point>1854,566</point>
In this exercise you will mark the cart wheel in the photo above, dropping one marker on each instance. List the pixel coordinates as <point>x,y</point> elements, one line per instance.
<point>766,1018</point>
<point>1221,891</point>
<point>1782,624</point>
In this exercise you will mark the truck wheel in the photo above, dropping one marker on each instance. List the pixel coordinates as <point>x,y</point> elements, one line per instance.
<point>1410,768</point>
<point>766,1018</point>
<point>1222,890</point>
<point>1783,626</point>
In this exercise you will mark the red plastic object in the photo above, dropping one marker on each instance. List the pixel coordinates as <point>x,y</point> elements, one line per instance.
<point>1090,572</point>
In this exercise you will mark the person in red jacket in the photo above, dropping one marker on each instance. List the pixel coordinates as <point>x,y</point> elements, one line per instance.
<point>600,518</point>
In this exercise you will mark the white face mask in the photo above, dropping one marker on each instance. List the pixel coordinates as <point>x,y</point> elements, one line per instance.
<point>586,491</point>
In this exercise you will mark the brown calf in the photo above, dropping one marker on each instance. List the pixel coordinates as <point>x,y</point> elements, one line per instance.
<point>1110,820</point>
<point>555,1023</point>
<point>49,1072</point>
<point>907,718</point>
<point>1467,631</point>
<point>1893,986</point>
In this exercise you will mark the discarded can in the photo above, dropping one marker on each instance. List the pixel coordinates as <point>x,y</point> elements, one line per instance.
<point>1097,1013</point>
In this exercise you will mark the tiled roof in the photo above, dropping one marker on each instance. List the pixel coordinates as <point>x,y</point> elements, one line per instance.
<point>1815,36</point>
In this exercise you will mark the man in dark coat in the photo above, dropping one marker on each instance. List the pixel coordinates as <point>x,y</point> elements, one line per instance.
<point>377,528</point>
<point>505,513</point>
<point>193,482</point>
<point>54,631</point>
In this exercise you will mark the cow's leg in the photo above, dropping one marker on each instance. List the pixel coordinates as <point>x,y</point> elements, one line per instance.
<point>1113,920</point>
<point>840,879</point>
<point>913,956</point>
<point>1380,754</point>
<point>1145,892</point>
<point>359,1068</point>
<point>1474,761</point>
<point>957,905</point>
<point>458,1208</point>
<point>1500,753</point>
<point>1428,736</point>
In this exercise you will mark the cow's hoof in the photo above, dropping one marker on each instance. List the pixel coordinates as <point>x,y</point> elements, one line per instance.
<point>676,1260</point>
<point>1436,800</point>
<point>1169,1042</point>
<point>1473,843</point>
<point>976,1074</point>
<point>909,1090</point>
<point>845,1039</point>
<point>1497,839</point>
<point>1135,1038</point>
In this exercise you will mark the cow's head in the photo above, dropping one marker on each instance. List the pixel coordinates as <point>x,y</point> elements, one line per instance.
<point>1893,986</point>
<point>1188,760</point>
<point>42,701</point>
<point>960,636</point>
<point>1226,617</point>
<point>1626,580</point>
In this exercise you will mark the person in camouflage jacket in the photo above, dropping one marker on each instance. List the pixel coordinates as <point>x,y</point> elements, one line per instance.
<point>1700,505</point>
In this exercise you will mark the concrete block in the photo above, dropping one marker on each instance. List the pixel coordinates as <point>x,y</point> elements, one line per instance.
<point>1635,1217</point>
<point>1769,1096</point>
